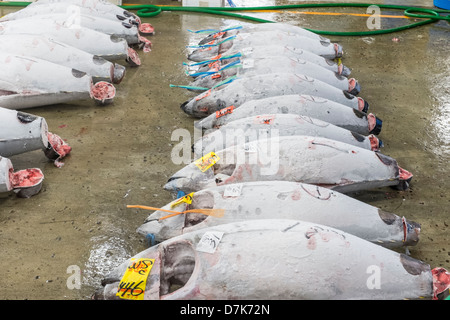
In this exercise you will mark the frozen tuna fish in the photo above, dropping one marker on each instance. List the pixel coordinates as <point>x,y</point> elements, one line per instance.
<point>240,90</point>
<point>27,82</point>
<point>261,27</point>
<point>22,132</point>
<point>274,259</point>
<point>270,125</point>
<point>102,8</point>
<point>263,51</point>
<point>238,42</point>
<point>311,106</point>
<point>91,41</point>
<point>276,64</point>
<point>119,29</point>
<point>44,48</point>
<point>25,183</point>
<point>315,160</point>
<point>281,200</point>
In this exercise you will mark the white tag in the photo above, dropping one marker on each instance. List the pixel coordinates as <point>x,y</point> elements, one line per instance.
<point>233,190</point>
<point>209,241</point>
<point>248,63</point>
<point>247,51</point>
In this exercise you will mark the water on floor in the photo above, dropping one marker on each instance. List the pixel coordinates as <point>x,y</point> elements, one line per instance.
<point>121,152</point>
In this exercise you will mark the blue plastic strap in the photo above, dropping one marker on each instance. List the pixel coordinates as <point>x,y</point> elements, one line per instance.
<point>205,31</point>
<point>150,237</point>
<point>236,55</point>
<point>212,45</point>
<point>231,3</point>
<point>188,87</point>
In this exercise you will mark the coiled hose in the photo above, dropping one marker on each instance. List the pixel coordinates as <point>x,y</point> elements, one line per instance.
<point>431,15</point>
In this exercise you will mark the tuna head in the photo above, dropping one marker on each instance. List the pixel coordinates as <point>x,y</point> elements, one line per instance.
<point>203,105</point>
<point>203,54</point>
<point>190,179</point>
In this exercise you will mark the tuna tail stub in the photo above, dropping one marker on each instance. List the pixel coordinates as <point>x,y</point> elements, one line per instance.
<point>363,105</point>
<point>354,87</point>
<point>375,124</point>
<point>441,283</point>
<point>103,92</point>
<point>405,178</point>
<point>146,29</point>
<point>26,183</point>
<point>57,149</point>
<point>133,58</point>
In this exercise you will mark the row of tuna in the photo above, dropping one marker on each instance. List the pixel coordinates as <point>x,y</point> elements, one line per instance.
<point>264,216</point>
<point>52,52</point>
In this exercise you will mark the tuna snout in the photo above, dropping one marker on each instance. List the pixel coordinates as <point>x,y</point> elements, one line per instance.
<point>183,106</point>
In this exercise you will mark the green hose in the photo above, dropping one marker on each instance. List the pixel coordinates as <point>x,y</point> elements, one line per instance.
<point>431,15</point>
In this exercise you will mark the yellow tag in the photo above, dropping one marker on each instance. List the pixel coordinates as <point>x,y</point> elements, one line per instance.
<point>134,280</point>
<point>187,198</point>
<point>207,161</point>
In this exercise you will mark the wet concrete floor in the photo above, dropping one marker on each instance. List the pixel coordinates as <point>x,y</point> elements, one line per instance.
<point>121,152</point>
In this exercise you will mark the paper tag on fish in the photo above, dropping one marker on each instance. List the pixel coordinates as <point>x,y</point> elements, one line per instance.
<point>207,161</point>
<point>185,199</point>
<point>248,63</point>
<point>134,280</point>
<point>233,190</point>
<point>224,111</point>
<point>209,241</point>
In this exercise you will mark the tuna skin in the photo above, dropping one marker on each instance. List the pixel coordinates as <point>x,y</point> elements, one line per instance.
<point>263,51</point>
<point>263,86</point>
<point>106,46</point>
<point>251,67</point>
<point>269,125</point>
<point>240,41</point>
<point>278,259</point>
<point>264,27</point>
<point>306,105</point>
<point>29,82</point>
<point>37,8</point>
<point>313,160</point>
<point>283,200</point>
<point>47,49</point>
